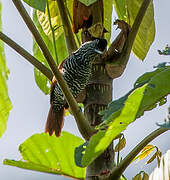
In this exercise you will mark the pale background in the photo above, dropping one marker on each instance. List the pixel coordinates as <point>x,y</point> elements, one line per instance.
<point>30,105</point>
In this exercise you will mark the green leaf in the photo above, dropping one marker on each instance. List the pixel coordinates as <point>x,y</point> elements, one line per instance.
<point>87,2</point>
<point>148,76</point>
<point>120,7</point>
<point>55,20</point>
<point>5,103</point>
<point>37,4</point>
<point>45,153</point>
<point>42,82</point>
<point>158,88</point>
<point>108,18</point>
<point>127,10</point>
<point>146,33</point>
<point>100,141</point>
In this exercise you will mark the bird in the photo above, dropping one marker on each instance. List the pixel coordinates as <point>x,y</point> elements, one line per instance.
<point>76,70</point>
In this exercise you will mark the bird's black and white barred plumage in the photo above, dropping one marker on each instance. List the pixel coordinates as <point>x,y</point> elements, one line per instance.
<point>76,71</point>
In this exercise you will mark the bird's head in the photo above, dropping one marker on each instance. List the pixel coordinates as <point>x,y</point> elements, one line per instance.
<point>91,49</point>
<point>99,45</point>
<point>96,46</point>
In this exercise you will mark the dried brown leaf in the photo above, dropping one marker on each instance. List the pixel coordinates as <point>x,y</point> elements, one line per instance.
<point>145,176</point>
<point>137,177</point>
<point>152,158</point>
<point>121,144</point>
<point>146,151</point>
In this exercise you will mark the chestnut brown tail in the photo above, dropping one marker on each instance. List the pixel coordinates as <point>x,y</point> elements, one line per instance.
<point>55,121</point>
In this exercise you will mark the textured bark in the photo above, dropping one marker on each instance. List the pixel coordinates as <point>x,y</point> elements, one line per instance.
<point>98,95</point>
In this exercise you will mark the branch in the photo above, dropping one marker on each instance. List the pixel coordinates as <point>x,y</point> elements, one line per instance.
<point>82,123</point>
<point>116,48</point>
<point>128,159</point>
<point>43,69</point>
<point>124,57</point>
<point>70,41</point>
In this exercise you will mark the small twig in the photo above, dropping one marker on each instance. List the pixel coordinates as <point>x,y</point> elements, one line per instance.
<point>128,159</point>
<point>84,127</point>
<point>70,41</point>
<point>53,33</point>
<point>43,69</point>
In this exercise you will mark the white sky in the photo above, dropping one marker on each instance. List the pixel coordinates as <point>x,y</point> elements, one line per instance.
<point>30,105</point>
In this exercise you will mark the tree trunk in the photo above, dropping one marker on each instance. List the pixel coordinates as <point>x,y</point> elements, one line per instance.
<point>98,96</point>
<point>98,93</point>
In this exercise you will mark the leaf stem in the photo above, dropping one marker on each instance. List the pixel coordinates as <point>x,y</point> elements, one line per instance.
<point>53,33</point>
<point>43,69</point>
<point>78,40</point>
<point>70,41</point>
<point>128,159</point>
<point>84,127</point>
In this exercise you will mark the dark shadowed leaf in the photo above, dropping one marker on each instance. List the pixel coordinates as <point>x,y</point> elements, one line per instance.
<point>45,153</point>
<point>5,103</point>
<point>79,152</point>
<point>37,4</point>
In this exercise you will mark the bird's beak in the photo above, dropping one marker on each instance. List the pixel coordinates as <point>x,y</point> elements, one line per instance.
<point>98,51</point>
